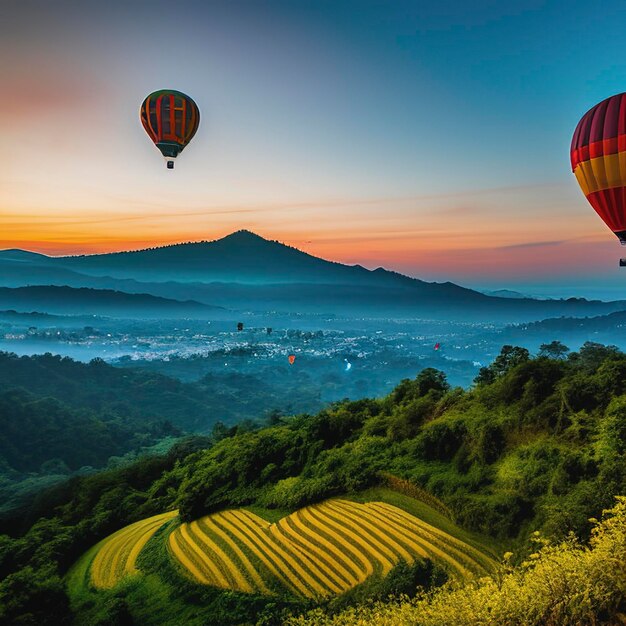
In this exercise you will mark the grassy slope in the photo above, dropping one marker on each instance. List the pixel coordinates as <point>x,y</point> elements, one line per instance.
<point>566,584</point>
<point>162,595</point>
<point>428,514</point>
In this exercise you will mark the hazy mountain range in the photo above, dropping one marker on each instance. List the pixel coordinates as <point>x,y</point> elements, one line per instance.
<point>516,295</point>
<point>71,300</point>
<point>246,271</point>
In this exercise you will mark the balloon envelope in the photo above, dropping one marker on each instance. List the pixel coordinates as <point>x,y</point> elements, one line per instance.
<point>292,358</point>
<point>171,119</point>
<point>598,156</point>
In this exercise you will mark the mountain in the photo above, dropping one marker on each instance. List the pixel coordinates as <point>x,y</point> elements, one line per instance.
<point>246,271</point>
<point>510,293</point>
<point>64,300</point>
<point>27,318</point>
<point>241,257</point>
<point>572,331</point>
<point>22,256</point>
<point>613,322</point>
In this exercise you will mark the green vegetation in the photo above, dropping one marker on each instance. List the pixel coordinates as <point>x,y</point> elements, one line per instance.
<point>567,584</point>
<point>140,396</point>
<point>537,445</point>
<point>62,416</point>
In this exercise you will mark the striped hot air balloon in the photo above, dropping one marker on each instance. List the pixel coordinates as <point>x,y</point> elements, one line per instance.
<point>598,156</point>
<point>171,119</point>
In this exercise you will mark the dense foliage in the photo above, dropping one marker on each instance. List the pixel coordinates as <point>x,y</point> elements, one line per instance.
<point>64,522</point>
<point>139,394</point>
<point>568,584</point>
<point>537,444</point>
<point>45,434</point>
<point>60,415</point>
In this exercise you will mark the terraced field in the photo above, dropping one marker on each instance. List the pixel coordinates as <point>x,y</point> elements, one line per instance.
<point>316,552</point>
<point>319,551</point>
<point>117,554</point>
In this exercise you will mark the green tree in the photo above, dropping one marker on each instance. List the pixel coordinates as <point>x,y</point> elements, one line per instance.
<point>553,350</point>
<point>509,357</point>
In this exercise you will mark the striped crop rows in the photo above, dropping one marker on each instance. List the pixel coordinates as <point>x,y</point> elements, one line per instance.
<point>118,553</point>
<point>318,551</point>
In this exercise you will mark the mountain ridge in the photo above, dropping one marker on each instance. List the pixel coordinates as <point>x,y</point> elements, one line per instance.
<point>63,299</point>
<point>241,257</point>
<point>248,272</point>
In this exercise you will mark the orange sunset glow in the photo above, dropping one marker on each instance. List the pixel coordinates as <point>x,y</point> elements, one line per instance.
<point>283,151</point>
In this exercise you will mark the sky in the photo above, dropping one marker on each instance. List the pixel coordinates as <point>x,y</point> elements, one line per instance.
<point>427,137</point>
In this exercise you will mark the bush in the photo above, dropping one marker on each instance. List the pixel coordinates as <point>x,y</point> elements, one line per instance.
<point>568,584</point>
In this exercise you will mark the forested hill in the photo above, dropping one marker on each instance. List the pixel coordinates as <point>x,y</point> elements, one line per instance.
<point>61,416</point>
<point>538,444</point>
<point>71,300</point>
<point>142,395</point>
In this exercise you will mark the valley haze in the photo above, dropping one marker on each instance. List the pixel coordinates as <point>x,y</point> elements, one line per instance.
<point>355,332</point>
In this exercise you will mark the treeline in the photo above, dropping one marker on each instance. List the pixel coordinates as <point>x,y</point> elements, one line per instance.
<point>43,435</point>
<point>133,393</point>
<point>59,415</point>
<point>538,443</point>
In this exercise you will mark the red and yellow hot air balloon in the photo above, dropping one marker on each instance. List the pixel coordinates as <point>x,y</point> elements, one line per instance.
<point>598,157</point>
<point>292,359</point>
<point>171,119</point>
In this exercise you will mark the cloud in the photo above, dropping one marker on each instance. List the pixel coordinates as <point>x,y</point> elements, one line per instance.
<point>534,244</point>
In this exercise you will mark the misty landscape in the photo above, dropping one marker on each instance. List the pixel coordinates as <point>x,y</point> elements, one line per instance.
<point>354,333</point>
<point>312,313</point>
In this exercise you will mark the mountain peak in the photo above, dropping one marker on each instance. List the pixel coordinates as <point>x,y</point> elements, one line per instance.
<point>243,236</point>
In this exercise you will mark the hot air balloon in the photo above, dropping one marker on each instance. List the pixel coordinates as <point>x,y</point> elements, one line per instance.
<point>292,358</point>
<point>598,156</point>
<point>171,120</point>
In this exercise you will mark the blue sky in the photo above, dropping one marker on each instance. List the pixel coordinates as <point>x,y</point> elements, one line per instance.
<point>432,138</point>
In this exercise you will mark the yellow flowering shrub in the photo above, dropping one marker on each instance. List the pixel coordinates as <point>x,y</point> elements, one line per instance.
<point>569,584</point>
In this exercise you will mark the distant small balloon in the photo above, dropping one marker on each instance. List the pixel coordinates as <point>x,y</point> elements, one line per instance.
<point>240,326</point>
<point>292,358</point>
<point>437,346</point>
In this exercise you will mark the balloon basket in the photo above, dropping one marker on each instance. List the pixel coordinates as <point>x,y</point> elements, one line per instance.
<point>170,165</point>
<point>622,262</point>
